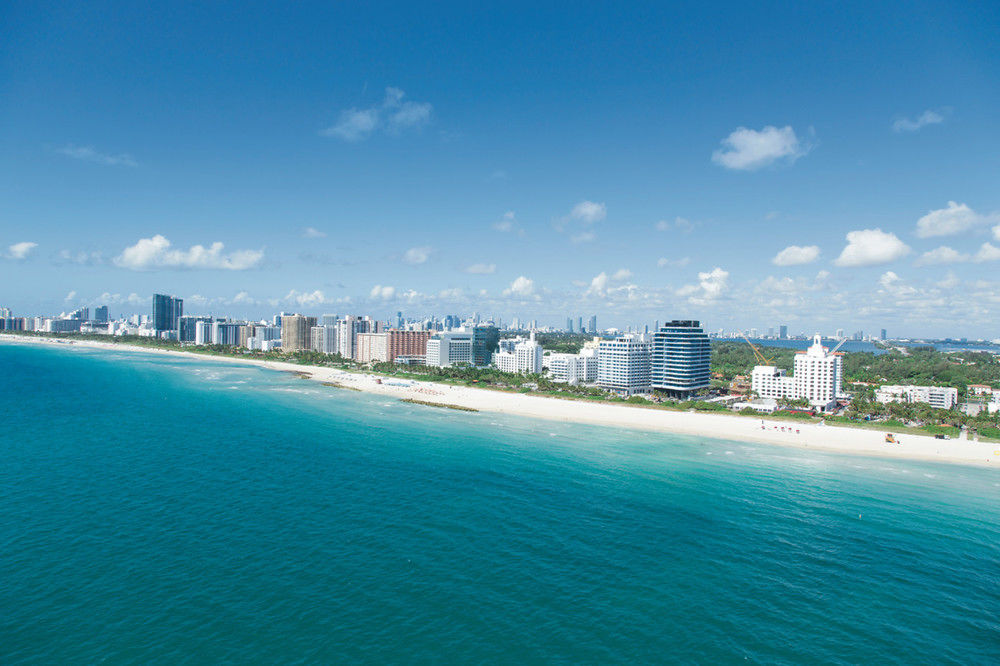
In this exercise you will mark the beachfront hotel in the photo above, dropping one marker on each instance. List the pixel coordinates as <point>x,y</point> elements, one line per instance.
<point>623,365</point>
<point>817,377</point>
<point>680,359</point>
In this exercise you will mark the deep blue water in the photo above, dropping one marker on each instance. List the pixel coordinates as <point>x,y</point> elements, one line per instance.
<point>175,511</point>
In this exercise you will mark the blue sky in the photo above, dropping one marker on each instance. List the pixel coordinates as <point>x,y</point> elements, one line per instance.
<point>637,162</point>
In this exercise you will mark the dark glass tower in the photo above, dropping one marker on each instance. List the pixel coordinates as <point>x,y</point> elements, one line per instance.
<point>680,358</point>
<point>167,310</point>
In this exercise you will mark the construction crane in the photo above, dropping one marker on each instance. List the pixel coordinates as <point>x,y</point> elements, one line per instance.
<point>756,352</point>
<point>839,345</point>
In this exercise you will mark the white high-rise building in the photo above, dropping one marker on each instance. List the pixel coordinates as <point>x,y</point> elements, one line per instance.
<point>347,331</point>
<point>817,377</point>
<point>574,368</point>
<point>450,348</point>
<point>521,356</point>
<point>323,338</point>
<point>623,364</point>
<point>203,333</point>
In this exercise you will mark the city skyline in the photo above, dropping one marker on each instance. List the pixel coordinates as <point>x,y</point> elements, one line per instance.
<point>647,176</point>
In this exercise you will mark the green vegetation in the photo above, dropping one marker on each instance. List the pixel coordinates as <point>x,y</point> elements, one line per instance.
<point>922,366</point>
<point>563,343</point>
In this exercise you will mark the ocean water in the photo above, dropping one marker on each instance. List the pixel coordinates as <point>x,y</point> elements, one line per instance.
<point>155,509</point>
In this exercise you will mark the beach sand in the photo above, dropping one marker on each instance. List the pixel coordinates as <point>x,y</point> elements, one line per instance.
<point>856,441</point>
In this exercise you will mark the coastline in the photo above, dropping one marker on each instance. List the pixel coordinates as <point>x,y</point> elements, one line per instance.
<point>854,441</point>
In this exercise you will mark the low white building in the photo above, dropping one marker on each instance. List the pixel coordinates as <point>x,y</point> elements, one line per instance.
<point>941,397</point>
<point>519,355</point>
<point>579,368</point>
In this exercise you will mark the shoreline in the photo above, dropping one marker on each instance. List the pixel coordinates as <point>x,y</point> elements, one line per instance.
<point>836,439</point>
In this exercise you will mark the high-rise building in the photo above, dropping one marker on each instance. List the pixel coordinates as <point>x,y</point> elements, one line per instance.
<point>783,332</point>
<point>579,324</point>
<point>167,310</point>
<point>485,340</point>
<point>295,332</point>
<point>101,314</point>
<point>569,324</point>
<point>523,356</point>
<point>882,335</point>
<point>450,348</point>
<point>371,347</point>
<point>817,377</point>
<point>186,328</point>
<point>623,365</point>
<point>406,343</point>
<point>680,358</point>
<point>592,325</point>
<point>323,339</point>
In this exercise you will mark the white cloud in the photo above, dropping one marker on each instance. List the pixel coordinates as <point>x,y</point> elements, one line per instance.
<point>452,294</point>
<point>987,252</point>
<point>117,299</point>
<point>482,269</point>
<point>954,219</point>
<point>869,247</point>
<point>243,298</point>
<point>663,262</point>
<point>522,286</point>
<point>354,124</point>
<point>796,255</point>
<point>70,296</point>
<point>748,149</point>
<point>306,299</point>
<point>83,258</point>
<point>612,286</point>
<point>393,116</point>
<point>581,218</point>
<point>383,293</point>
<point>313,232</point>
<point>19,251</point>
<point>942,255</point>
<point>506,223</point>
<point>156,252</point>
<point>711,286</point>
<point>589,212</point>
<point>926,118</point>
<point>418,255</point>
<point>90,154</point>
<point>679,223</point>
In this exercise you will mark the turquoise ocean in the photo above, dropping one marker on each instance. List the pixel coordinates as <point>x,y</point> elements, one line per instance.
<point>166,510</point>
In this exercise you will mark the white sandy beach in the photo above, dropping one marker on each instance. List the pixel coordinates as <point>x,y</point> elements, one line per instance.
<point>719,426</point>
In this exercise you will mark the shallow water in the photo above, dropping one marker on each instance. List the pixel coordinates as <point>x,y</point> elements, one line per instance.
<point>188,511</point>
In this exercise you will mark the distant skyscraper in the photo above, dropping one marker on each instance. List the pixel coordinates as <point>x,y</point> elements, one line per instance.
<point>579,324</point>
<point>680,358</point>
<point>783,332</point>
<point>592,325</point>
<point>101,314</point>
<point>485,340</point>
<point>569,324</point>
<point>167,310</point>
<point>399,320</point>
<point>882,335</point>
<point>295,332</point>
